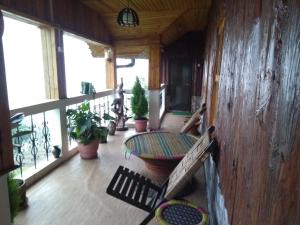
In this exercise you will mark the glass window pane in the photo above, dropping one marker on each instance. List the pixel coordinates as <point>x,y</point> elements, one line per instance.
<point>23,63</point>
<point>80,66</point>
<point>129,74</point>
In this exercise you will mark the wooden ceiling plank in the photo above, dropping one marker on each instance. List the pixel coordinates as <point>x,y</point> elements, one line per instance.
<point>167,18</point>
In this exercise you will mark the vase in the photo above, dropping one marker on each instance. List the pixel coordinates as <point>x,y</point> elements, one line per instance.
<point>56,151</point>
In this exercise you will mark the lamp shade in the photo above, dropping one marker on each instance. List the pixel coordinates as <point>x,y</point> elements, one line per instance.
<point>128,17</point>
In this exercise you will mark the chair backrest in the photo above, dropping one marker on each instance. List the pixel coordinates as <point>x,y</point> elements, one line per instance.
<point>194,119</point>
<point>189,165</point>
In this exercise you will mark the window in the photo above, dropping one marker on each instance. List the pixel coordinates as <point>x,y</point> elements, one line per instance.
<point>80,66</point>
<point>129,74</point>
<point>24,63</point>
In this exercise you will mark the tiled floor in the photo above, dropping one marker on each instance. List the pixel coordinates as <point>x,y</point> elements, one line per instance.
<point>75,194</point>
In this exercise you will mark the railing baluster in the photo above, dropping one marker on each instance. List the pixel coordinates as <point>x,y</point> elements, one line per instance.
<point>33,139</point>
<point>46,135</point>
<point>19,156</point>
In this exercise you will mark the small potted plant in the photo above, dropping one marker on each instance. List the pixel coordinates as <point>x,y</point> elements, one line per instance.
<point>112,125</point>
<point>14,196</point>
<point>139,106</point>
<point>84,127</point>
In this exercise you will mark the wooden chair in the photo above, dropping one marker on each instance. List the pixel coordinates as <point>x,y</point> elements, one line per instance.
<point>194,120</point>
<point>141,192</point>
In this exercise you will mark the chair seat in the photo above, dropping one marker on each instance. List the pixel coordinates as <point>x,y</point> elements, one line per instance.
<point>178,212</point>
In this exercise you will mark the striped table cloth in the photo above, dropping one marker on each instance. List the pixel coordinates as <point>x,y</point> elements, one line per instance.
<point>159,145</point>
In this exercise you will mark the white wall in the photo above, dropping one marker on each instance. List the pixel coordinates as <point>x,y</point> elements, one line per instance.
<point>154,107</point>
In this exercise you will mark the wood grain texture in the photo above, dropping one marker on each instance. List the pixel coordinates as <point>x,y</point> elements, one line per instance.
<point>71,15</point>
<point>168,18</point>
<point>111,71</point>
<point>258,125</point>
<point>154,67</point>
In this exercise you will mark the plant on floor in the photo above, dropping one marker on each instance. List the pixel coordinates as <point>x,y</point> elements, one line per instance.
<point>14,196</point>
<point>139,106</point>
<point>84,127</point>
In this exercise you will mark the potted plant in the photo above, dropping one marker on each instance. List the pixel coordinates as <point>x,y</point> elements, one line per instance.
<point>17,186</point>
<point>112,125</point>
<point>16,194</point>
<point>84,127</point>
<point>139,106</point>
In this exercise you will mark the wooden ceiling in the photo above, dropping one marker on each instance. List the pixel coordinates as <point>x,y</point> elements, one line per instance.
<point>161,21</point>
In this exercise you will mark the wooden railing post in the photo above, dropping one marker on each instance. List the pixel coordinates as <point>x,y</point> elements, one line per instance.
<point>154,86</point>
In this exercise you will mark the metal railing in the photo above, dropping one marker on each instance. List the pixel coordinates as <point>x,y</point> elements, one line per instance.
<point>48,127</point>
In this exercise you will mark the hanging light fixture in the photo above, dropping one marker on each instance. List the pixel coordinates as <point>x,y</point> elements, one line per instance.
<point>128,17</point>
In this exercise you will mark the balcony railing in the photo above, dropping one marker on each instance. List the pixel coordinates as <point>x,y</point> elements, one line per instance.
<point>48,125</point>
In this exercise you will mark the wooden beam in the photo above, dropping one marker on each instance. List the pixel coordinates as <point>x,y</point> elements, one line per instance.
<point>154,67</point>
<point>60,60</point>
<point>111,76</point>
<point>155,39</point>
<point>49,59</point>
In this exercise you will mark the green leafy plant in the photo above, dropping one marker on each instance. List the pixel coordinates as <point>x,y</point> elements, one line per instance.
<point>139,102</point>
<point>84,125</point>
<point>14,196</point>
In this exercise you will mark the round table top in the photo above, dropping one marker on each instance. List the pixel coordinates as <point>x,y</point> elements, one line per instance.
<point>160,145</point>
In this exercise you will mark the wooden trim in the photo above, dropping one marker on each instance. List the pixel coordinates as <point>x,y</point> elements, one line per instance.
<point>49,59</point>
<point>6,153</point>
<point>137,42</point>
<point>60,61</point>
<point>154,67</point>
<point>216,73</point>
<point>111,73</point>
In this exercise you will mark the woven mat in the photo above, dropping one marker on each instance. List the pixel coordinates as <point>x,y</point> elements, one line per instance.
<point>160,145</point>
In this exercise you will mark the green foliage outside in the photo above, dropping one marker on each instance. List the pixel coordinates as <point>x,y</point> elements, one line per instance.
<point>139,102</point>
<point>84,126</point>
<point>14,196</point>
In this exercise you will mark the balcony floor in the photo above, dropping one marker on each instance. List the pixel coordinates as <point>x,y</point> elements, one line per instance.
<point>74,193</point>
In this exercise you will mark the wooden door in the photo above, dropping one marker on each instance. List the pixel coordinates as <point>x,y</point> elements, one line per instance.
<point>180,84</point>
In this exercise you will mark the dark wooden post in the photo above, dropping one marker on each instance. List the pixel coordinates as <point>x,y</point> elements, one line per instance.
<point>6,150</point>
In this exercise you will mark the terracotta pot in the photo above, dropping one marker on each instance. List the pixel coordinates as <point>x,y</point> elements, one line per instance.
<point>141,125</point>
<point>89,151</point>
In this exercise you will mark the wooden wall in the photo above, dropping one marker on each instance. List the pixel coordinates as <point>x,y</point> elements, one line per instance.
<point>258,108</point>
<point>70,15</point>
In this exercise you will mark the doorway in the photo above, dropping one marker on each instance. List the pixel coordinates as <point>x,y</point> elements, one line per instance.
<point>180,84</point>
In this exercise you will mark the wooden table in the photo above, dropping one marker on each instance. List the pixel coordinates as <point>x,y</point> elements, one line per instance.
<point>161,151</point>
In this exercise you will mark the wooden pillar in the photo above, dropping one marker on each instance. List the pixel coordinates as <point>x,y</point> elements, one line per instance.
<point>49,59</point>
<point>111,76</point>
<point>60,59</point>
<point>6,150</point>
<point>154,86</point>
<point>154,67</point>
